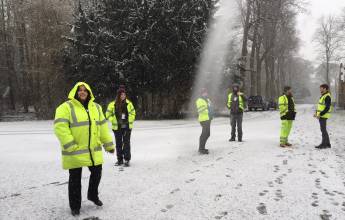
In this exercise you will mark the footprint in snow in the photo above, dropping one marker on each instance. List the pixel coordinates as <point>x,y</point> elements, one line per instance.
<point>175,190</point>
<point>33,187</point>
<point>315,203</point>
<point>263,193</point>
<point>15,195</point>
<point>91,218</point>
<point>211,165</point>
<point>314,195</point>
<point>195,171</point>
<point>190,180</point>
<point>326,215</point>
<point>262,209</point>
<point>238,186</point>
<point>221,215</point>
<point>219,158</point>
<point>278,180</point>
<point>285,162</point>
<point>217,197</point>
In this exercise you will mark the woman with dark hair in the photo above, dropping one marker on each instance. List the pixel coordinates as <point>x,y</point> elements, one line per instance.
<point>121,114</point>
<point>82,130</point>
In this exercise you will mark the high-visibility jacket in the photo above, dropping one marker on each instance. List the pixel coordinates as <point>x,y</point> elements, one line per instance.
<point>82,132</point>
<point>203,107</point>
<point>283,105</point>
<point>111,116</point>
<point>321,106</point>
<point>241,102</point>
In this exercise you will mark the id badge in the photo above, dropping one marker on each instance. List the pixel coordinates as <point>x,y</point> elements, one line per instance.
<point>123,116</point>
<point>235,99</point>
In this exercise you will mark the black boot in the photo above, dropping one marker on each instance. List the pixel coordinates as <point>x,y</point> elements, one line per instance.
<point>97,202</point>
<point>126,163</point>
<point>118,163</point>
<point>75,212</point>
<point>232,139</point>
<point>203,151</point>
<point>321,146</point>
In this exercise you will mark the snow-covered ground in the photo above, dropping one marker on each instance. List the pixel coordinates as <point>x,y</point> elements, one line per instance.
<point>168,180</point>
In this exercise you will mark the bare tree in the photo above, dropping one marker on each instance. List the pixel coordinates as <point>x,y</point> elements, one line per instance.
<point>328,40</point>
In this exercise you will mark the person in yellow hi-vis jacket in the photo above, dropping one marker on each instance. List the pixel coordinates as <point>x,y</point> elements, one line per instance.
<point>287,115</point>
<point>323,112</point>
<point>205,113</point>
<point>121,114</point>
<point>236,104</point>
<point>82,129</point>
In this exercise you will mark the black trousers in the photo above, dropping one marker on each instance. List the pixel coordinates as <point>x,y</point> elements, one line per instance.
<point>205,134</point>
<point>123,144</point>
<point>323,128</point>
<point>74,185</point>
<point>236,120</point>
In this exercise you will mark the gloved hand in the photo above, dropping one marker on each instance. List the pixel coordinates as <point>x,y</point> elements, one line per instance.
<point>111,151</point>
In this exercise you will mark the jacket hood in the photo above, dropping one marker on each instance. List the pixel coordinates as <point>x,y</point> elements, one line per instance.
<point>75,89</point>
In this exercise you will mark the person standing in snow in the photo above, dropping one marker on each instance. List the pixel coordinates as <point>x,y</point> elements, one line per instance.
<point>323,112</point>
<point>81,129</point>
<point>205,113</point>
<point>287,115</point>
<point>236,104</point>
<point>121,114</point>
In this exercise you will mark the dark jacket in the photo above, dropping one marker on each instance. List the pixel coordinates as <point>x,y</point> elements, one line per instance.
<point>291,115</point>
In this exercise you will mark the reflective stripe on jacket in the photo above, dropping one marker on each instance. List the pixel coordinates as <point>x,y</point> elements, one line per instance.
<point>203,109</point>
<point>322,105</point>
<point>241,102</point>
<point>284,105</point>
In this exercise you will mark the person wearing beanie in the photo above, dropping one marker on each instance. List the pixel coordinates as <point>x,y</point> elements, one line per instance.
<point>205,112</point>
<point>121,114</point>
<point>323,112</point>
<point>236,105</point>
<point>287,115</point>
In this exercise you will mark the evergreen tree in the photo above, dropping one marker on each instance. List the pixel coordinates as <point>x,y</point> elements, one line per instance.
<point>150,46</point>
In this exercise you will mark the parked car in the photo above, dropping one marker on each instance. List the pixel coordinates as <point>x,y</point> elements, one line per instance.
<point>258,102</point>
<point>272,104</point>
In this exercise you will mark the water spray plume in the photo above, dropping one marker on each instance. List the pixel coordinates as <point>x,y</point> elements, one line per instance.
<point>216,47</point>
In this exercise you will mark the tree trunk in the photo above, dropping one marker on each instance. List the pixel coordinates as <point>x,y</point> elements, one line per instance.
<point>244,51</point>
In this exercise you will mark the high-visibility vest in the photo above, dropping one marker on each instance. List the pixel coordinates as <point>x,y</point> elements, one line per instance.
<point>202,106</point>
<point>283,105</point>
<point>322,105</point>
<point>81,132</point>
<point>111,116</point>
<point>241,103</point>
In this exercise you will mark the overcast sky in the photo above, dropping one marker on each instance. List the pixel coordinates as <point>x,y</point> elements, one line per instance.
<point>307,23</point>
